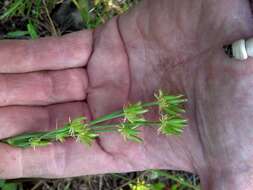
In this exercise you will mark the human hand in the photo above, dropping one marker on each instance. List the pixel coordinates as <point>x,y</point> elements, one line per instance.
<point>171,45</point>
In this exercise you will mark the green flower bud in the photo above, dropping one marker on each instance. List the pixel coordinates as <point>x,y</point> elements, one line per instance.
<point>134,112</point>
<point>172,125</point>
<point>130,132</point>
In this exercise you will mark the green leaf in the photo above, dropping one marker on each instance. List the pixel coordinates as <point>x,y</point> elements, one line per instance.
<point>12,9</point>
<point>10,186</point>
<point>157,186</point>
<point>83,7</point>
<point>32,30</point>
<point>17,34</point>
<point>2,183</point>
<point>37,142</point>
<point>174,187</point>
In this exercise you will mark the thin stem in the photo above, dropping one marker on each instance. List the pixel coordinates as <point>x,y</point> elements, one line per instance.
<point>104,118</point>
<point>112,129</point>
<point>118,114</point>
<point>150,104</point>
<point>95,127</point>
<point>52,134</point>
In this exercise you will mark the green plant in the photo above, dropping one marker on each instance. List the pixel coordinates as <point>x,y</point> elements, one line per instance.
<point>131,119</point>
<point>97,12</point>
<point>179,182</point>
<point>4,185</point>
<point>24,9</point>
<point>32,19</point>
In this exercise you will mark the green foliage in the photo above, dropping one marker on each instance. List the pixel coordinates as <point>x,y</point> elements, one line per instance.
<point>17,34</point>
<point>83,7</point>
<point>10,186</point>
<point>32,30</point>
<point>2,182</point>
<point>97,12</point>
<point>16,8</point>
<point>21,8</point>
<point>4,185</point>
<point>26,9</point>
<point>180,183</point>
<point>157,186</point>
<point>36,15</point>
<point>160,180</point>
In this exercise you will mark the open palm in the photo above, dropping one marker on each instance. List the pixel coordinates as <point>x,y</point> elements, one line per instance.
<point>171,45</point>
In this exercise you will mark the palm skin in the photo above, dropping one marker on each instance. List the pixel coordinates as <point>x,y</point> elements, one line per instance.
<point>171,45</point>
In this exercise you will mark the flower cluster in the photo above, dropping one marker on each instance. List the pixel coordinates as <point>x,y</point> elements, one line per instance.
<point>171,125</point>
<point>80,130</point>
<point>133,118</point>
<point>134,113</point>
<point>130,131</point>
<point>170,104</point>
<point>170,107</point>
<point>141,185</point>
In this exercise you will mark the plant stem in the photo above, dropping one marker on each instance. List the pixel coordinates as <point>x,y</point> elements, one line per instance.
<point>118,114</point>
<point>132,117</point>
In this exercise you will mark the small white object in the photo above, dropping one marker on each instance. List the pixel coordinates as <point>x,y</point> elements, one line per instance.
<point>239,50</point>
<point>249,47</point>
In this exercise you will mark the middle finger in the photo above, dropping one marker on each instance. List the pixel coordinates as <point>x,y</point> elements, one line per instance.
<point>43,88</point>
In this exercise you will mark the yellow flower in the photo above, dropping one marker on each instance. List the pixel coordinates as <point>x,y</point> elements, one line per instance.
<point>140,185</point>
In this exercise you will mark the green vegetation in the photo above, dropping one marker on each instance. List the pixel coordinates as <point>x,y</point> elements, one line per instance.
<point>147,180</point>
<point>4,185</point>
<point>26,18</point>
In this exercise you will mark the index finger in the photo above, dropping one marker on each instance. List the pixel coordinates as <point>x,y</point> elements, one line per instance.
<point>59,160</point>
<point>49,53</point>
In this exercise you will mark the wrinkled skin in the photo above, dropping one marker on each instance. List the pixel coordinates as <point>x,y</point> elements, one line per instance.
<point>175,45</point>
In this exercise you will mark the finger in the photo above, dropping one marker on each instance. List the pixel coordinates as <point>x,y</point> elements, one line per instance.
<point>58,160</point>
<point>51,53</point>
<point>17,120</point>
<point>43,88</point>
